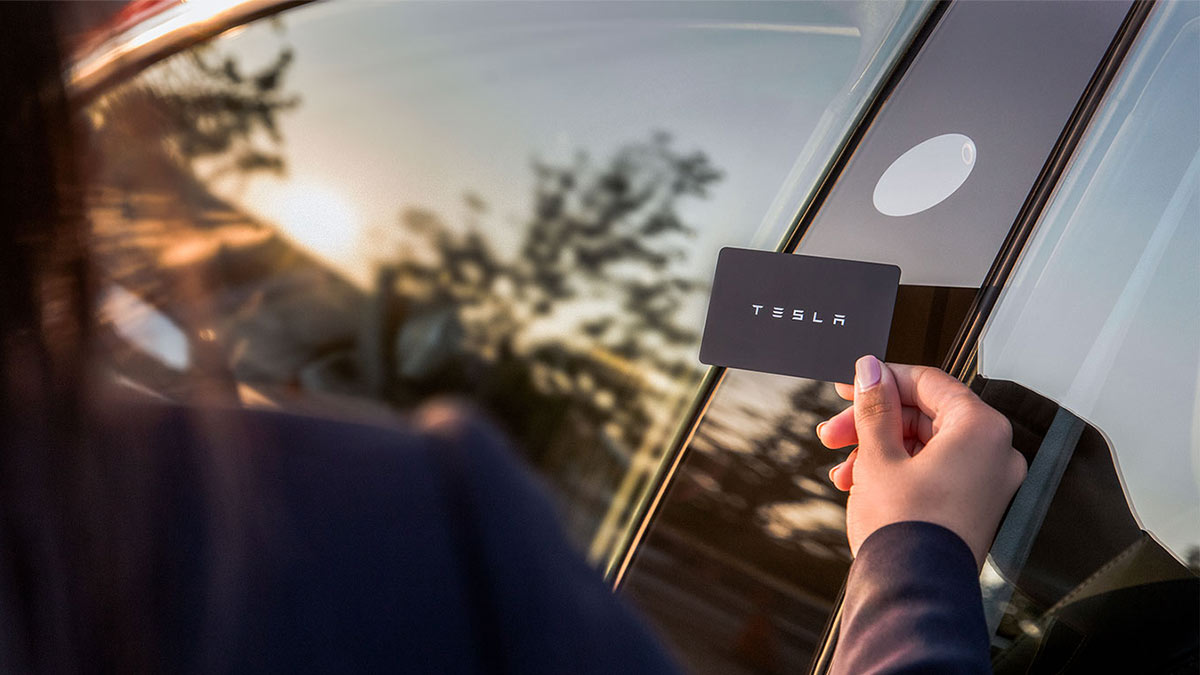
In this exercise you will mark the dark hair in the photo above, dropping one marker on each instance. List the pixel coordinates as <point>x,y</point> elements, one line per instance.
<point>61,573</point>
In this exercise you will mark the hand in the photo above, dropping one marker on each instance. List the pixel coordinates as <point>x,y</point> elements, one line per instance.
<point>928,450</point>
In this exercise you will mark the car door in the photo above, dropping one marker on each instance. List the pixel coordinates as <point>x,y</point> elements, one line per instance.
<point>743,563</point>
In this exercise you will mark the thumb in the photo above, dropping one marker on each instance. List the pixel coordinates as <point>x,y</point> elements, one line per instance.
<point>877,412</point>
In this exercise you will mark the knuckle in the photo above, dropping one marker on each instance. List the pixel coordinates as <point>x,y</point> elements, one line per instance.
<point>874,406</point>
<point>989,422</point>
<point>952,385</point>
<point>1020,467</point>
<point>939,374</point>
<point>964,402</point>
<point>1000,426</point>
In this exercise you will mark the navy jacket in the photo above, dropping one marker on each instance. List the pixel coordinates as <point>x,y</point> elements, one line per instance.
<point>912,605</point>
<point>334,547</point>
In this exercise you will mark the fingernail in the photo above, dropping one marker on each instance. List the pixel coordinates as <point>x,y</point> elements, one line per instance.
<point>819,427</point>
<point>833,473</point>
<point>866,373</point>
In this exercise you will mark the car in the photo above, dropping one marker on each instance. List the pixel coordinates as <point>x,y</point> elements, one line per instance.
<point>346,209</point>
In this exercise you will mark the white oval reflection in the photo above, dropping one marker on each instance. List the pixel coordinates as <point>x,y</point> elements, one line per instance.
<point>925,175</point>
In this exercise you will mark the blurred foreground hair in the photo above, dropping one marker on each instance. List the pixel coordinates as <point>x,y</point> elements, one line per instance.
<point>68,593</point>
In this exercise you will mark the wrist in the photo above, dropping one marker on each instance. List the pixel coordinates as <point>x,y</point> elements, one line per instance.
<point>887,535</point>
<point>902,533</point>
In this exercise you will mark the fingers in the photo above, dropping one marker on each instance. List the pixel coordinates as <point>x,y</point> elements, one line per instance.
<point>912,446</point>
<point>846,391</point>
<point>878,418</point>
<point>838,431</point>
<point>927,388</point>
<point>842,475</point>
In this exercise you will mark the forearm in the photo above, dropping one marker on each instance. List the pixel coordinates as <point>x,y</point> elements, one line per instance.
<point>913,605</point>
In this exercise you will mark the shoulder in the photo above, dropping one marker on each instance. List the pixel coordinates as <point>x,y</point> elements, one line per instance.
<point>301,543</point>
<point>412,544</point>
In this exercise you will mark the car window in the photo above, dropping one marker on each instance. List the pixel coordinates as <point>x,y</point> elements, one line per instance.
<point>1099,328</point>
<point>361,206</point>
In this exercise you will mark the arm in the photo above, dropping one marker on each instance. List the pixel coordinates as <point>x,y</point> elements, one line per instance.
<point>542,609</point>
<point>929,482</point>
<point>912,605</point>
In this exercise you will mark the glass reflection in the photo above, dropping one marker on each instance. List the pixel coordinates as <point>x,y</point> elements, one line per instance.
<point>1116,561</point>
<point>356,207</point>
<point>748,554</point>
<point>1124,226</point>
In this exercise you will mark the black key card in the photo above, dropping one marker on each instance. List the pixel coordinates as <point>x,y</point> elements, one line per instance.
<point>796,314</point>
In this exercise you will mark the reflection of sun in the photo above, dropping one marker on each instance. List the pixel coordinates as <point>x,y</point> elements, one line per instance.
<point>311,214</point>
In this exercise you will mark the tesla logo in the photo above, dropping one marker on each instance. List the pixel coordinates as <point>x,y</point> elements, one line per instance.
<point>799,315</point>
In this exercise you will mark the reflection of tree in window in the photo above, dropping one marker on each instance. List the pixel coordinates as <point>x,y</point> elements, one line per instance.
<point>156,142</point>
<point>752,532</point>
<point>572,339</point>
<point>199,109</point>
<point>564,325</point>
<point>768,493</point>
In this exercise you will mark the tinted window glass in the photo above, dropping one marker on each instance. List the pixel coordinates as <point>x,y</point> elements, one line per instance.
<point>1102,317</point>
<point>376,203</point>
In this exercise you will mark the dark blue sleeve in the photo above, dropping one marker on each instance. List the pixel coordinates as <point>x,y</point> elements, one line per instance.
<point>375,548</point>
<point>913,605</point>
<point>540,608</point>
